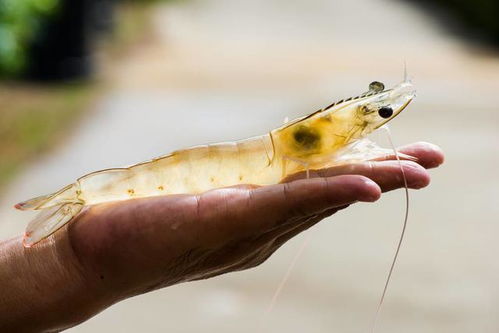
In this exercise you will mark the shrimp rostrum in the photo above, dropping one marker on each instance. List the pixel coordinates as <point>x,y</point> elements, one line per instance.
<point>330,136</point>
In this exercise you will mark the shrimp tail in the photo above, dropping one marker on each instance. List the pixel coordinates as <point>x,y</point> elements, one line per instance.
<point>49,221</point>
<point>57,209</point>
<point>66,194</point>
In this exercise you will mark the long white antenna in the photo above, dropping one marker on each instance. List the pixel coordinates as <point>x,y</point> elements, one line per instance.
<point>380,304</point>
<point>291,266</point>
<point>286,276</point>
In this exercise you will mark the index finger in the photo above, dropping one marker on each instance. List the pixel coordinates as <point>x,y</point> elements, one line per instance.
<point>425,154</point>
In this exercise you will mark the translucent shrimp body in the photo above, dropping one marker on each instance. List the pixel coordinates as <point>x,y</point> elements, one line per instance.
<point>329,136</point>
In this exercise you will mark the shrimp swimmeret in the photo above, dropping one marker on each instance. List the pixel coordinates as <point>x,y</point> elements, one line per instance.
<point>330,136</point>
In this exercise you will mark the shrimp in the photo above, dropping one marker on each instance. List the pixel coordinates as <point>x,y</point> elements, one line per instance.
<point>330,136</point>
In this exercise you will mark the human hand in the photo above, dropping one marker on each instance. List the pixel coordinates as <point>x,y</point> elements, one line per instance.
<point>118,250</point>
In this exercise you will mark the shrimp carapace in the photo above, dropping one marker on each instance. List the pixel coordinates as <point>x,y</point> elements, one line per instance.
<point>327,137</point>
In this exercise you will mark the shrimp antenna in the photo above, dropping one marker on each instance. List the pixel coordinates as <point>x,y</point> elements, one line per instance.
<point>406,217</point>
<point>285,278</point>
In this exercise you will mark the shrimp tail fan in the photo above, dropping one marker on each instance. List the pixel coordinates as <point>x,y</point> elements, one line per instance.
<point>66,194</point>
<point>57,209</point>
<point>49,221</point>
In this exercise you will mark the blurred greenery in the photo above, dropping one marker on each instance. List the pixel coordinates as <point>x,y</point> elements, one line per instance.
<point>22,20</point>
<point>19,22</point>
<point>35,118</point>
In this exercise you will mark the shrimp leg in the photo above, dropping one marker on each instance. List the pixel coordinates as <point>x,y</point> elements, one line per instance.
<point>302,163</point>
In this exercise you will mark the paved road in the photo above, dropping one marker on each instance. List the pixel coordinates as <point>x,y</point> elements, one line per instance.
<point>226,69</point>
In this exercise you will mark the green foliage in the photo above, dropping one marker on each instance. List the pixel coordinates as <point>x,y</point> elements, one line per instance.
<point>19,22</point>
<point>148,2</point>
<point>34,118</point>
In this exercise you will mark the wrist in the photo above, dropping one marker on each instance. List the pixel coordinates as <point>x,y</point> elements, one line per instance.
<point>44,287</point>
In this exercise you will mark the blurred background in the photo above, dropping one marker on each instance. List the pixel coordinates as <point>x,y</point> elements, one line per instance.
<point>92,84</point>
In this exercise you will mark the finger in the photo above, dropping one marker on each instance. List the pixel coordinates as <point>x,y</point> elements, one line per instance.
<point>386,174</point>
<point>307,197</point>
<point>428,154</point>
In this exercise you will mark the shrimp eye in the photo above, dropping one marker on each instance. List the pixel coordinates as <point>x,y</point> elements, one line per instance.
<point>385,112</point>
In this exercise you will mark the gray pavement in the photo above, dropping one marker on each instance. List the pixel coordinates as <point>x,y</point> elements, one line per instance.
<point>223,69</point>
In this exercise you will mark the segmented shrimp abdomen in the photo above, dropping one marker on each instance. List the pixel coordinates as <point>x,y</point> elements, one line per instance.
<point>192,170</point>
<point>202,168</point>
<point>104,185</point>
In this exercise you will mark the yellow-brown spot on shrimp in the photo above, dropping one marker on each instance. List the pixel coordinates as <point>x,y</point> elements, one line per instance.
<point>241,177</point>
<point>131,192</point>
<point>212,179</point>
<point>161,188</point>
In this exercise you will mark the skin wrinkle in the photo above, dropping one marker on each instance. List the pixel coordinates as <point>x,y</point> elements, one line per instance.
<point>281,240</point>
<point>239,210</point>
<point>212,267</point>
<point>295,211</point>
<point>194,258</point>
<point>74,253</point>
<point>220,210</point>
<point>64,250</point>
<point>371,169</point>
<point>184,264</point>
<point>251,200</point>
<point>258,204</point>
<point>254,259</point>
<point>90,270</point>
<point>226,213</point>
<point>263,243</point>
<point>207,258</point>
<point>285,193</point>
<point>239,247</point>
<point>284,231</point>
<point>298,208</point>
<point>248,198</point>
<point>197,206</point>
<point>284,228</point>
<point>304,226</point>
<point>326,184</point>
